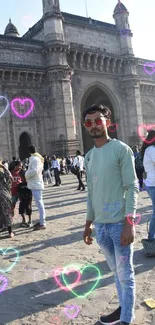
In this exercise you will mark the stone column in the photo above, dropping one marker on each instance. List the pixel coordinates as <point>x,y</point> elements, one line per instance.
<point>74,59</point>
<point>63,111</point>
<point>132,110</point>
<point>101,63</point>
<point>95,61</point>
<point>88,60</point>
<point>107,65</point>
<point>4,136</point>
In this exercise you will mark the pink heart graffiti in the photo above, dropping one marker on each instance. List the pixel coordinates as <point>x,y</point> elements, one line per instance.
<point>147,128</point>
<point>5,283</point>
<point>123,259</point>
<point>27,21</point>
<point>131,222</point>
<point>22,102</point>
<point>70,308</point>
<point>57,273</point>
<point>56,320</point>
<point>150,66</point>
<point>113,127</point>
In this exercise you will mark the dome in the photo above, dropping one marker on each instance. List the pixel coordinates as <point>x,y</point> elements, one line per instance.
<point>120,8</point>
<point>11,29</point>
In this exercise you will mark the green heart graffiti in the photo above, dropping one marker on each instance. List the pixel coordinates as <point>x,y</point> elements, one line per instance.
<point>81,271</point>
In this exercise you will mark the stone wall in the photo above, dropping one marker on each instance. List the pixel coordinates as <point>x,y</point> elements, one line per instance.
<point>90,37</point>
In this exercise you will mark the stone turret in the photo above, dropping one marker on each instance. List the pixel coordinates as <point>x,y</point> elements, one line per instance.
<point>53,21</point>
<point>11,30</point>
<point>59,79</point>
<point>120,16</point>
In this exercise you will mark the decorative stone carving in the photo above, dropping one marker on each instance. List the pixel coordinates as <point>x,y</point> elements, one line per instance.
<point>56,6</point>
<point>81,60</point>
<point>88,60</point>
<point>95,61</point>
<point>15,57</point>
<point>60,74</point>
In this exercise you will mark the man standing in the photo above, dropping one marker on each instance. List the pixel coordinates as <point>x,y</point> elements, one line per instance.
<point>46,171</point>
<point>36,185</point>
<point>56,167</point>
<point>12,164</point>
<point>79,164</point>
<point>111,206</point>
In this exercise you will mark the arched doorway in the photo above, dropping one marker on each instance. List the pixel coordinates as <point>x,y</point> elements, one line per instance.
<point>96,96</point>
<point>25,141</point>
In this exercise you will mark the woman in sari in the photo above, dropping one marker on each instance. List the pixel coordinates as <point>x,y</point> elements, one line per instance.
<point>5,199</point>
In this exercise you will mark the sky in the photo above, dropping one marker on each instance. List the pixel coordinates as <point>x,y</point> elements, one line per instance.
<point>25,13</point>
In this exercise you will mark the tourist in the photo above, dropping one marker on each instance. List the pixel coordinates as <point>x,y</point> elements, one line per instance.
<point>6,199</point>
<point>25,205</point>
<point>79,164</point>
<point>16,181</point>
<point>35,183</point>
<point>111,206</point>
<point>139,166</point>
<point>5,163</point>
<point>12,164</point>
<point>68,165</point>
<point>148,155</point>
<point>56,168</point>
<point>63,166</point>
<point>46,172</point>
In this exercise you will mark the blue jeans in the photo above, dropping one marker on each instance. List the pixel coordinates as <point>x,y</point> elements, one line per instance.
<point>108,238</point>
<point>38,198</point>
<point>151,192</point>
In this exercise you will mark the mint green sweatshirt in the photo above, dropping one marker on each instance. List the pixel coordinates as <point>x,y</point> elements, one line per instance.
<point>112,182</point>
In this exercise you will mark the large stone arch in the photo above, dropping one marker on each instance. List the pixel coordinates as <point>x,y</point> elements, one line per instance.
<point>98,94</point>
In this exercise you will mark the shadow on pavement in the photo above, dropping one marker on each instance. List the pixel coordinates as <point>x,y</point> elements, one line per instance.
<point>27,303</point>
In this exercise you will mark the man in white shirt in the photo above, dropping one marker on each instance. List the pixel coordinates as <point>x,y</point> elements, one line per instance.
<point>79,164</point>
<point>56,167</point>
<point>148,154</point>
<point>35,183</point>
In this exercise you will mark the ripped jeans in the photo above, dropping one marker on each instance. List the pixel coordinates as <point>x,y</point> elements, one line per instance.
<point>108,237</point>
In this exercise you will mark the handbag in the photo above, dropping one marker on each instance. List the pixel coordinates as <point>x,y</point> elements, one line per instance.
<point>75,170</point>
<point>149,246</point>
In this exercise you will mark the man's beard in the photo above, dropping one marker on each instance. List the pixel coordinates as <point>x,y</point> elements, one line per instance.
<point>98,134</point>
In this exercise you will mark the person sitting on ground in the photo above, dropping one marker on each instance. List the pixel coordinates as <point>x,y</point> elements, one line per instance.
<point>25,205</point>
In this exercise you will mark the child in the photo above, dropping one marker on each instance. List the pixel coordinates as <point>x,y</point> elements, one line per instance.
<point>16,181</point>
<point>25,205</point>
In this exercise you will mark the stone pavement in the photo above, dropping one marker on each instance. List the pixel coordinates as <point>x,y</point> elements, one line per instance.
<point>33,296</point>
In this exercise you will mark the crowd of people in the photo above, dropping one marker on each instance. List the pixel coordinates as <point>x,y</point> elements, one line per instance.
<point>14,188</point>
<point>23,180</point>
<point>112,171</point>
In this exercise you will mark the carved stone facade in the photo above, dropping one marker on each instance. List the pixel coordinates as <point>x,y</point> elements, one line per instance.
<point>66,63</point>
